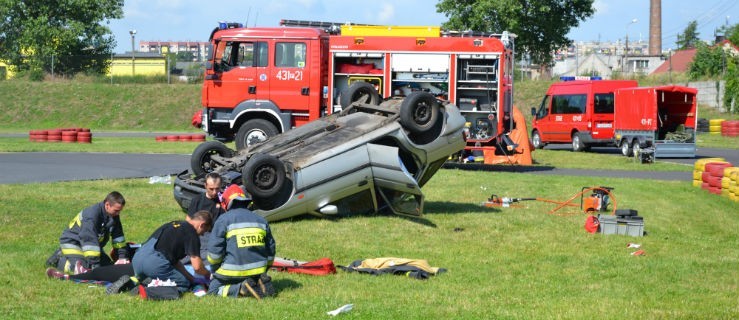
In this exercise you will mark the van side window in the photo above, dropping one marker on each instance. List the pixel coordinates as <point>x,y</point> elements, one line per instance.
<point>262,54</point>
<point>245,58</point>
<point>603,103</point>
<point>569,104</point>
<point>290,54</point>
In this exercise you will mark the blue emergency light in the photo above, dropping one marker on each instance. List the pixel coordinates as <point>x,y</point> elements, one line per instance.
<point>222,25</point>
<point>573,78</point>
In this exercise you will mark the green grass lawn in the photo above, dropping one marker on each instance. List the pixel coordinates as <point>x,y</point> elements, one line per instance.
<point>503,263</point>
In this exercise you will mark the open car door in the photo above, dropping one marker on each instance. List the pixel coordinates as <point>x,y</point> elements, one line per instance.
<point>394,184</point>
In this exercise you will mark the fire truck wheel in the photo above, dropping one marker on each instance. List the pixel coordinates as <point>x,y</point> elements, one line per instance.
<point>254,131</point>
<point>577,144</point>
<point>201,161</point>
<point>625,148</point>
<point>419,112</point>
<point>536,140</point>
<point>263,175</point>
<point>360,91</point>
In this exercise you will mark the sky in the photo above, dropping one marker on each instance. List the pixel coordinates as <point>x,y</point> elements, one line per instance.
<point>191,20</point>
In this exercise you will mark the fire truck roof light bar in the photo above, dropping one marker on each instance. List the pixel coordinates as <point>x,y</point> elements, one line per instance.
<point>573,78</point>
<point>223,25</point>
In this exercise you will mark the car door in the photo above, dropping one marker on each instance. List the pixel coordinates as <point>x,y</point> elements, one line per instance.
<point>290,76</point>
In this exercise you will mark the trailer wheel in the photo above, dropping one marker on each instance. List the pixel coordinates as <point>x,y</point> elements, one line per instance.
<point>254,131</point>
<point>263,175</point>
<point>577,144</point>
<point>625,148</point>
<point>359,91</point>
<point>635,148</point>
<point>201,161</point>
<point>536,140</point>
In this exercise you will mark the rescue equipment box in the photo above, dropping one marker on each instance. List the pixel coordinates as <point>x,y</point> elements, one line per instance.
<point>627,224</point>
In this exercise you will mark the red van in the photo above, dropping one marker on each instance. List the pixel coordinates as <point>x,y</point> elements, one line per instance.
<point>577,110</point>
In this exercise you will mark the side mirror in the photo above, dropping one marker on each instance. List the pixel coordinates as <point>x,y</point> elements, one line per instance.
<point>211,76</point>
<point>209,65</point>
<point>533,112</point>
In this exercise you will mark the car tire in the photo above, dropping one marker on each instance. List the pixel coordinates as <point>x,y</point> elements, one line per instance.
<point>361,91</point>
<point>263,175</point>
<point>577,144</point>
<point>254,131</point>
<point>419,112</point>
<point>626,148</point>
<point>200,161</point>
<point>536,140</point>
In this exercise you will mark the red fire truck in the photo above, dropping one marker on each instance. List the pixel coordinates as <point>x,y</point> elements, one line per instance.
<point>592,112</point>
<point>263,81</point>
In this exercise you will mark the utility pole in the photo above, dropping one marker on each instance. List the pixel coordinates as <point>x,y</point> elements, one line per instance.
<point>626,52</point>
<point>133,52</point>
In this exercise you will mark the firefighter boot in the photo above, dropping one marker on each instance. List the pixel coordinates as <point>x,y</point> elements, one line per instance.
<point>265,285</point>
<point>249,288</point>
<point>53,260</point>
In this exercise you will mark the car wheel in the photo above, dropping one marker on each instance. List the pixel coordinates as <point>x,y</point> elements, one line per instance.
<point>577,144</point>
<point>254,131</point>
<point>625,148</point>
<point>359,91</point>
<point>263,175</point>
<point>201,161</point>
<point>419,112</point>
<point>536,140</point>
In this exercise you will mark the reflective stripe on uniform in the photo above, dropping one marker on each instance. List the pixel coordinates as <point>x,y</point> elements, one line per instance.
<point>244,270</point>
<point>70,249</point>
<point>213,259</point>
<point>243,225</point>
<point>119,242</point>
<point>91,251</point>
<point>224,290</point>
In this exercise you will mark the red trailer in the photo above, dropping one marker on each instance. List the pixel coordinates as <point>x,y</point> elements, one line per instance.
<point>660,118</point>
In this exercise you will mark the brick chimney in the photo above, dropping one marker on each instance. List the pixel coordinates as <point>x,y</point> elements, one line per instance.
<point>655,27</point>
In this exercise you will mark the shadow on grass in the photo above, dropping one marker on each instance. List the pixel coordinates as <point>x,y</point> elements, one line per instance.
<point>283,285</point>
<point>495,167</point>
<point>445,207</point>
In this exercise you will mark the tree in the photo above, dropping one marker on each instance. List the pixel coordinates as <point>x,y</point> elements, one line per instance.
<point>689,37</point>
<point>32,31</point>
<point>708,62</point>
<point>541,26</point>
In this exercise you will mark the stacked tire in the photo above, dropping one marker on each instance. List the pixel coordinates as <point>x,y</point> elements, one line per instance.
<point>728,182</point>
<point>181,138</point>
<point>713,176</point>
<point>65,135</point>
<point>699,168</point>
<point>734,185</point>
<point>730,128</point>
<point>714,126</point>
<point>703,125</point>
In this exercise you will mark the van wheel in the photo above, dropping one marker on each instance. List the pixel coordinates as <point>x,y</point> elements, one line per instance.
<point>359,91</point>
<point>254,131</point>
<point>263,175</point>
<point>201,161</point>
<point>536,140</point>
<point>577,144</point>
<point>625,148</point>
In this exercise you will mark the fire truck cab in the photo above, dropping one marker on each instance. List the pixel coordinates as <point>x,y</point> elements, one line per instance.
<point>577,110</point>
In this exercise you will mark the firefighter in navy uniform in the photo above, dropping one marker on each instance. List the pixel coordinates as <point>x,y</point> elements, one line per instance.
<point>82,243</point>
<point>208,201</point>
<point>240,250</point>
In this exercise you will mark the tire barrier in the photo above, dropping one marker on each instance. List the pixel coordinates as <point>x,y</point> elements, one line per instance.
<point>714,126</point>
<point>703,125</point>
<point>64,135</point>
<point>730,128</point>
<point>719,177</point>
<point>699,169</point>
<point>181,138</point>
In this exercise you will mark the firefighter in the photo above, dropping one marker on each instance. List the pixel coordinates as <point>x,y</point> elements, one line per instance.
<point>240,250</point>
<point>209,201</point>
<point>81,244</point>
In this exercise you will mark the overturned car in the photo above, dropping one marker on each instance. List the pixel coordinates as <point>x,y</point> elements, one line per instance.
<point>365,159</point>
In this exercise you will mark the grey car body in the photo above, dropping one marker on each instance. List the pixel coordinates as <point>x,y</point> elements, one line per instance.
<point>367,158</point>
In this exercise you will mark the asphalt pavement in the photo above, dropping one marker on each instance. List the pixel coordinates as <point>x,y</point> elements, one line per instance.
<point>28,167</point>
